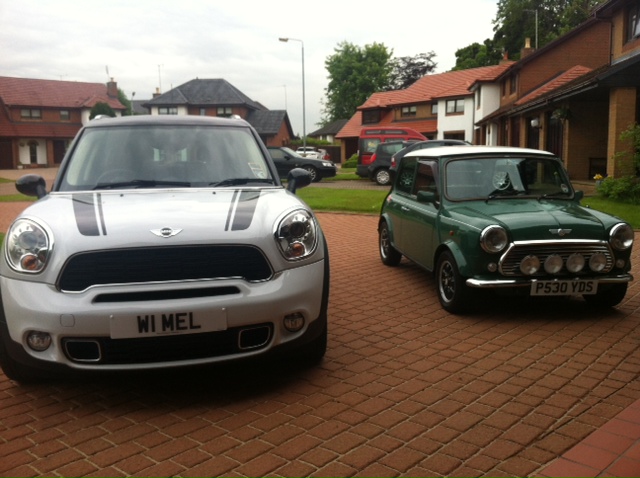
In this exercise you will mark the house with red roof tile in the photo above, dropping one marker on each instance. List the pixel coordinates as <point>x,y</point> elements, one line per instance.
<point>39,118</point>
<point>438,106</point>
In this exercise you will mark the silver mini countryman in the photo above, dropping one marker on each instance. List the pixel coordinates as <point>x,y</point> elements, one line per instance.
<point>164,242</point>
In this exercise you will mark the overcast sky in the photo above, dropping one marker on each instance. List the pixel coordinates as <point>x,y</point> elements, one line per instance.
<point>146,44</point>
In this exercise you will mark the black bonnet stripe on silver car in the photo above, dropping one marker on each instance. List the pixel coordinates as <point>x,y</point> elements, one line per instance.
<point>241,210</point>
<point>89,217</point>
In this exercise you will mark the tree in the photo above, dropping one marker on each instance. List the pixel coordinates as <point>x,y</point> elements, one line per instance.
<point>101,108</point>
<point>406,70</point>
<point>477,55</point>
<point>122,97</point>
<point>354,74</point>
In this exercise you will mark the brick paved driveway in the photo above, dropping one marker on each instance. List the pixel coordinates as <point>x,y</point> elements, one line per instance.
<point>405,389</point>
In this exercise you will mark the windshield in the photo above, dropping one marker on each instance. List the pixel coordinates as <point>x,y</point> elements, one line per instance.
<point>489,178</point>
<point>164,156</point>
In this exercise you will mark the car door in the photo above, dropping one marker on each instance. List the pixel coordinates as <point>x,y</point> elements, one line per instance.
<point>420,215</point>
<point>400,200</point>
<point>283,165</point>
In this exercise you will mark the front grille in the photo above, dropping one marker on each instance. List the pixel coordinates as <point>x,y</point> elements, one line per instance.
<point>174,348</point>
<point>163,264</point>
<point>510,261</point>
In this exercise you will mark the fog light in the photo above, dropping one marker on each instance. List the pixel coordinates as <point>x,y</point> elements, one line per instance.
<point>530,265</point>
<point>294,322</point>
<point>553,264</point>
<point>492,267</point>
<point>39,341</point>
<point>575,263</point>
<point>597,262</point>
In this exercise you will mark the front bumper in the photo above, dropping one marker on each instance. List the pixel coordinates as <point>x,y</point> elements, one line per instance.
<point>523,282</point>
<point>81,319</point>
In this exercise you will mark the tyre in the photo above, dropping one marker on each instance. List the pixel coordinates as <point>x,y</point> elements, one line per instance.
<point>382,177</point>
<point>607,297</point>
<point>453,293</point>
<point>389,255</point>
<point>315,177</point>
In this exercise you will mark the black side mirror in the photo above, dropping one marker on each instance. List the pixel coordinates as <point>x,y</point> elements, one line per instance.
<point>298,178</point>
<point>32,185</point>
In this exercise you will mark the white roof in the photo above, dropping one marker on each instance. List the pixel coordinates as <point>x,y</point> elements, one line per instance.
<point>474,150</point>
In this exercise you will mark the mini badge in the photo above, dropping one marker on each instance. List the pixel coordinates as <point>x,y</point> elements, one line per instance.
<point>166,232</point>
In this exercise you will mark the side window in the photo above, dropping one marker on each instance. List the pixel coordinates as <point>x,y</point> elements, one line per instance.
<point>276,154</point>
<point>425,179</point>
<point>406,173</point>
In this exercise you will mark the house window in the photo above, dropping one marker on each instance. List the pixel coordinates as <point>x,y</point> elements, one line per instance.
<point>33,152</point>
<point>434,109</point>
<point>167,110</point>
<point>65,115</point>
<point>408,111</point>
<point>478,98</point>
<point>26,113</point>
<point>513,84</point>
<point>225,112</point>
<point>455,106</point>
<point>370,116</point>
<point>633,28</point>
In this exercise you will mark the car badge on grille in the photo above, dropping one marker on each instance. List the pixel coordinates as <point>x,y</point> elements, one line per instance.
<point>560,232</point>
<point>166,232</point>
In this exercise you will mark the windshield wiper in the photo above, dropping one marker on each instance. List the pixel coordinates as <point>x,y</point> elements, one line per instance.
<point>504,193</point>
<point>558,195</point>
<point>241,181</point>
<point>142,183</point>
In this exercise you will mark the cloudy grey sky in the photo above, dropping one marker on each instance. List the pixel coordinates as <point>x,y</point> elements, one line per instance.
<point>146,44</point>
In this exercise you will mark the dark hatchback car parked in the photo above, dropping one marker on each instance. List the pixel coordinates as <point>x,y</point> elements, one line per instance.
<point>287,159</point>
<point>378,170</point>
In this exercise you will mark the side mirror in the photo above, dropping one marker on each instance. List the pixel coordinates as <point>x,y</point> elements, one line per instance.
<point>427,197</point>
<point>298,178</point>
<point>578,196</point>
<point>32,185</point>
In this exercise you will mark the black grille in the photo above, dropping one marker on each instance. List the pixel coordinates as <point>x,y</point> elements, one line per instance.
<point>172,348</point>
<point>510,262</point>
<point>162,264</point>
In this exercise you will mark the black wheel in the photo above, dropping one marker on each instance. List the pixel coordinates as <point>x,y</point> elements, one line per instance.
<point>15,370</point>
<point>389,255</point>
<point>315,350</point>
<point>382,177</point>
<point>608,296</point>
<point>453,293</point>
<point>315,177</point>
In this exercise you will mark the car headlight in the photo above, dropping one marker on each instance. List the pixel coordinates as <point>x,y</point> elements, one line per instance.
<point>493,239</point>
<point>297,235</point>
<point>28,246</point>
<point>621,237</point>
<point>327,164</point>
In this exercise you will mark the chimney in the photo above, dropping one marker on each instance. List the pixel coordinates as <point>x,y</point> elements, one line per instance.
<point>505,58</point>
<point>157,93</point>
<point>527,50</point>
<point>112,89</point>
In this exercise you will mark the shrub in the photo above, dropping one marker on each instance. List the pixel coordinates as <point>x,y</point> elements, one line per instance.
<point>626,189</point>
<point>352,162</point>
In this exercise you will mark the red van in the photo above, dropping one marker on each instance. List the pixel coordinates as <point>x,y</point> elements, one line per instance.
<point>372,136</point>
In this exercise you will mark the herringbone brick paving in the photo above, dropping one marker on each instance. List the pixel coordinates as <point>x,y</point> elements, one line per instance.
<point>406,389</point>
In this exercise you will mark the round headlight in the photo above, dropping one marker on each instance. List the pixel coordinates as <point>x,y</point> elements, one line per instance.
<point>28,246</point>
<point>621,236</point>
<point>597,262</point>
<point>493,239</point>
<point>553,264</point>
<point>530,265</point>
<point>575,263</point>
<point>297,235</point>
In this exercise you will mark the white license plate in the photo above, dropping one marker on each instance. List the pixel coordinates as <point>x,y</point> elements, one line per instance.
<point>564,287</point>
<point>153,324</point>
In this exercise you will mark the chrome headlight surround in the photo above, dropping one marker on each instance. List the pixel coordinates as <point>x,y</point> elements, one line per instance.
<point>494,239</point>
<point>621,236</point>
<point>28,246</point>
<point>297,235</point>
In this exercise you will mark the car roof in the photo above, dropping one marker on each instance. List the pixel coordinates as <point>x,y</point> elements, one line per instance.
<point>446,151</point>
<point>151,120</point>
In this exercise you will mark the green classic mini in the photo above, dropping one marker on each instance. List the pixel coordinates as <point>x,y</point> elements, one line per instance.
<point>502,219</point>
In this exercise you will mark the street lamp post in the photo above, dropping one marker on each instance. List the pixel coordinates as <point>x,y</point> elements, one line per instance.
<point>304,114</point>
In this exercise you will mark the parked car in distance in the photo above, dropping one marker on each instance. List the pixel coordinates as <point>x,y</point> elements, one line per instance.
<point>286,159</point>
<point>502,220</point>
<point>381,160</point>
<point>432,143</point>
<point>371,136</point>
<point>166,241</point>
<point>309,152</point>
